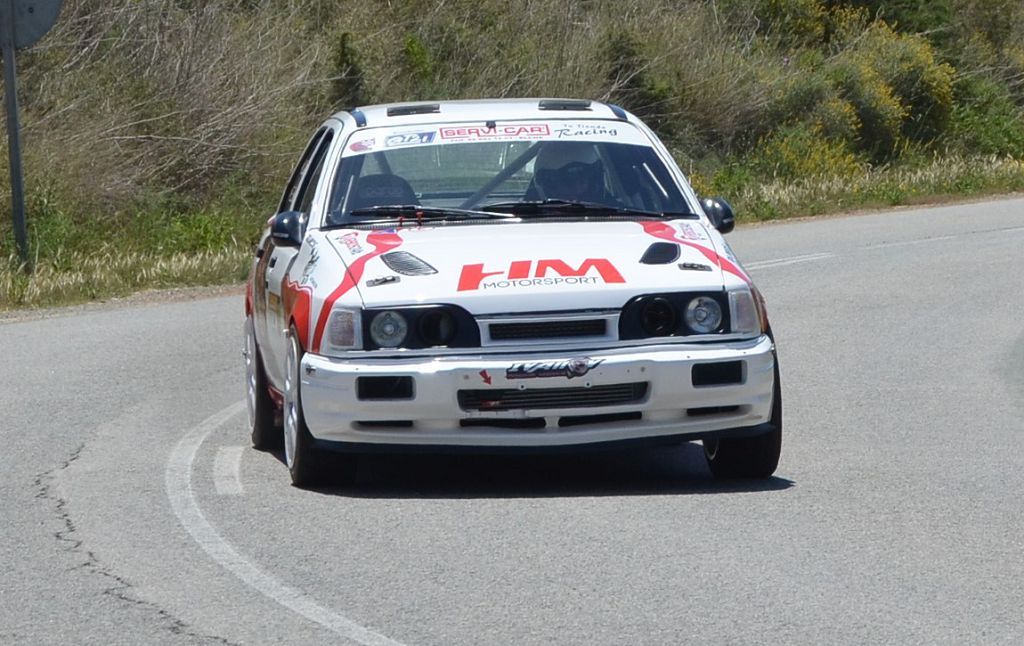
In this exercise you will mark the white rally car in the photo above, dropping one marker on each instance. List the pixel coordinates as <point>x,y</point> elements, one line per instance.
<point>502,275</point>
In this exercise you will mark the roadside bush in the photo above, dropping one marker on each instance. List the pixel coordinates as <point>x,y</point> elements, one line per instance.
<point>789,24</point>
<point>931,17</point>
<point>999,22</point>
<point>923,85</point>
<point>878,110</point>
<point>837,120</point>
<point>803,151</point>
<point>631,82</point>
<point>986,120</point>
<point>897,87</point>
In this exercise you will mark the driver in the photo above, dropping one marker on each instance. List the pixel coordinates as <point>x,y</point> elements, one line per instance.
<point>570,170</point>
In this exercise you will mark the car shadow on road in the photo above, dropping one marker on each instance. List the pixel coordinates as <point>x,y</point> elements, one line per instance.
<point>675,470</point>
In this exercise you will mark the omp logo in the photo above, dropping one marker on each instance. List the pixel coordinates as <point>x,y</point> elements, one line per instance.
<point>528,273</point>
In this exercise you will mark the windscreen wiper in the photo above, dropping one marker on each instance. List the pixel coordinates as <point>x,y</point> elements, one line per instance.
<point>389,212</point>
<point>555,208</point>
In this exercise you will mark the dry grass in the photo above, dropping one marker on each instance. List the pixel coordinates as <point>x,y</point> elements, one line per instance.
<point>942,177</point>
<point>81,277</point>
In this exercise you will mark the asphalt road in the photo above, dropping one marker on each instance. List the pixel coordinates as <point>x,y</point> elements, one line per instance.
<point>134,511</point>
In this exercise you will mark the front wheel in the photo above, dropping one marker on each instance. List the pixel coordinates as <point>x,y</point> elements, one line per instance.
<point>266,433</point>
<point>307,465</point>
<point>302,459</point>
<point>749,457</point>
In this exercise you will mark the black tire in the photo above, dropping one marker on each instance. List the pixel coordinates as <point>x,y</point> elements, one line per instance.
<point>307,468</point>
<point>263,418</point>
<point>749,457</point>
<point>307,465</point>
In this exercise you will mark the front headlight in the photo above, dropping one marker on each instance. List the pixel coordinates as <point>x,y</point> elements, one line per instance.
<point>388,329</point>
<point>745,319</point>
<point>658,317</point>
<point>344,331</point>
<point>703,315</point>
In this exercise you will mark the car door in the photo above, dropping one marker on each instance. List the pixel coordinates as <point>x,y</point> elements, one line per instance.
<point>298,197</point>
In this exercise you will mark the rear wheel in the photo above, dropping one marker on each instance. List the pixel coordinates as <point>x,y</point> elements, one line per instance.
<point>749,457</point>
<point>266,433</point>
<point>307,465</point>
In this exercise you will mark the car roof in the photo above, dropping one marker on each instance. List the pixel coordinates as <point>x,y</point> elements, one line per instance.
<point>426,112</point>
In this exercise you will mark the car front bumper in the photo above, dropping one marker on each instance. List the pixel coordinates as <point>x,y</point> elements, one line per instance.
<point>488,401</point>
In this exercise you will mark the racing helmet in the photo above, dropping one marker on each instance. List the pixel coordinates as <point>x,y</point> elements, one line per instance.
<point>569,170</point>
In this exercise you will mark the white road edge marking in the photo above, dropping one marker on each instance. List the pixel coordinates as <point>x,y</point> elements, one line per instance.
<point>792,260</point>
<point>178,483</point>
<point>227,466</point>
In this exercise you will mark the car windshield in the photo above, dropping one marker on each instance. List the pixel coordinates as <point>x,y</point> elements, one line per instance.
<point>606,174</point>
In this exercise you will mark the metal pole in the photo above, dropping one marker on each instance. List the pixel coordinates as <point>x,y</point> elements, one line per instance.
<point>13,128</point>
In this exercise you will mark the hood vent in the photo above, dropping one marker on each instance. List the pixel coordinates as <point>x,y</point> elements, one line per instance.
<point>661,253</point>
<point>403,262</point>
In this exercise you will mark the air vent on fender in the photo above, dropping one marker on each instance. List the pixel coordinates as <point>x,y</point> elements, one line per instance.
<point>403,262</point>
<point>661,253</point>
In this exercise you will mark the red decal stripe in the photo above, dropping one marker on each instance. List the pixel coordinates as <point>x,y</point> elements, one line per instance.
<point>383,241</point>
<point>298,301</point>
<point>666,231</point>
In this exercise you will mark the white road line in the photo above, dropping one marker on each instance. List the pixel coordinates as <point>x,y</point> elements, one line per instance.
<point>909,243</point>
<point>792,260</point>
<point>178,482</point>
<point>227,466</point>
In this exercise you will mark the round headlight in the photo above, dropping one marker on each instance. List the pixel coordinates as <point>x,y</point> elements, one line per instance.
<point>388,329</point>
<point>703,315</point>
<point>658,317</point>
<point>436,327</point>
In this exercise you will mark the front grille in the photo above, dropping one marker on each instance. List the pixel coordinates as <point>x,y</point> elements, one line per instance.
<point>711,410</point>
<point>527,423</point>
<point>548,329</point>
<point>502,399</point>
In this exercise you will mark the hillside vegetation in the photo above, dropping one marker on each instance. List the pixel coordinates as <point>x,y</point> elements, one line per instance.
<point>158,133</point>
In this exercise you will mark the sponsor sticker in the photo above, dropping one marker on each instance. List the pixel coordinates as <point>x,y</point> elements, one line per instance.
<point>351,242</point>
<point>548,272</point>
<point>583,130</point>
<point>570,369</point>
<point>307,272</point>
<point>409,139</point>
<point>509,131</point>
<point>362,146</point>
<point>689,232</point>
<point>728,253</point>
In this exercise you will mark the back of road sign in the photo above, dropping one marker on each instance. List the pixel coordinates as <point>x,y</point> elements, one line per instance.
<point>22,23</point>
<point>32,19</point>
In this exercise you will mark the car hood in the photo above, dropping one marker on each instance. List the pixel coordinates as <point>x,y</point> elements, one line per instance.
<point>530,266</point>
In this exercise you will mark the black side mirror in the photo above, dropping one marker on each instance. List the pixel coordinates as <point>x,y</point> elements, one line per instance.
<point>287,228</point>
<point>720,213</point>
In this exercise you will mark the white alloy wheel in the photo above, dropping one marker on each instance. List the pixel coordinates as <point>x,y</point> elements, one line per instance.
<point>250,370</point>
<point>266,434</point>
<point>291,401</point>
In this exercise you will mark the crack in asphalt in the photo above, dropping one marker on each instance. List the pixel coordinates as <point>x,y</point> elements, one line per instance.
<point>121,588</point>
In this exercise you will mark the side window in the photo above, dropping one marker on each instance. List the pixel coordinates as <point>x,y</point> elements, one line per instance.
<point>295,183</point>
<point>312,179</point>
